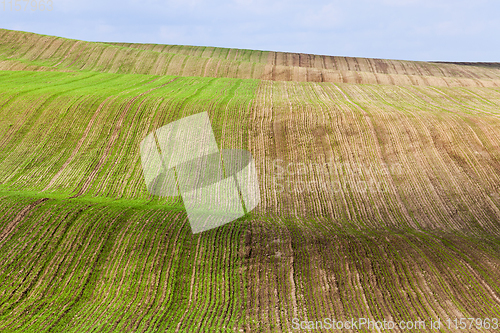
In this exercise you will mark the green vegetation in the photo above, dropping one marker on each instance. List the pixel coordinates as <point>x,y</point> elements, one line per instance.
<point>403,224</point>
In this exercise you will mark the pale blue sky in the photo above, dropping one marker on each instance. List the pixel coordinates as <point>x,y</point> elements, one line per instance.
<point>447,30</point>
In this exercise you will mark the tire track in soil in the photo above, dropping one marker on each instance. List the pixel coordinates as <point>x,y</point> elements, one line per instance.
<point>459,290</point>
<point>167,267</point>
<point>117,260</point>
<point>47,47</point>
<point>461,168</point>
<point>13,130</point>
<point>427,133</point>
<point>192,284</point>
<point>255,264</point>
<point>436,278</point>
<point>39,111</point>
<point>112,141</point>
<point>407,129</point>
<point>67,54</point>
<point>25,212</point>
<point>157,280</point>
<point>101,257</point>
<point>132,265</point>
<point>79,54</point>
<point>33,282</point>
<point>17,95</point>
<point>78,145</point>
<point>68,274</point>
<point>379,153</point>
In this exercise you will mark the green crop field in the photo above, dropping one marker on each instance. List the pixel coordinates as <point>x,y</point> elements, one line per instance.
<point>379,184</point>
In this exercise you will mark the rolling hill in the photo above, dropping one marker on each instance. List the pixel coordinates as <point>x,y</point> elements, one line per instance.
<point>379,179</point>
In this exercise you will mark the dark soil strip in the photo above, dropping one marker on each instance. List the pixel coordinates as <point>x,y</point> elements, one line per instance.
<point>19,217</point>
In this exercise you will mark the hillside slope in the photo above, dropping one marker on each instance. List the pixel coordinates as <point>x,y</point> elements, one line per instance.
<point>20,51</point>
<point>378,201</point>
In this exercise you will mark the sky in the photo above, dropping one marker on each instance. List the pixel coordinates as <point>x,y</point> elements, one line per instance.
<point>427,30</point>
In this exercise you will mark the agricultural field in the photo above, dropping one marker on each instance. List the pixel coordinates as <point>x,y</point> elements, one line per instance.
<point>379,185</point>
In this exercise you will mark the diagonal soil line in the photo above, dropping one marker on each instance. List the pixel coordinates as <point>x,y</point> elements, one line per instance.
<point>193,286</point>
<point>112,140</point>
<point>89,283</point>
<point>378,151</point>
<point>78,56</point>
<point>67,54</point>
<point>19,217</point>
<point>78,145</point>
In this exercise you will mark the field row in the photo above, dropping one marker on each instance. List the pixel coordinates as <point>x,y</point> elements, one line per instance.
<point>336,63</point>
<point>320,149</point>
<point>25,51</point>
<point>379,155</point>
<point>83,266</point>
<point>314,273</point>
<point>377,201</point>
<point>75,266</point>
